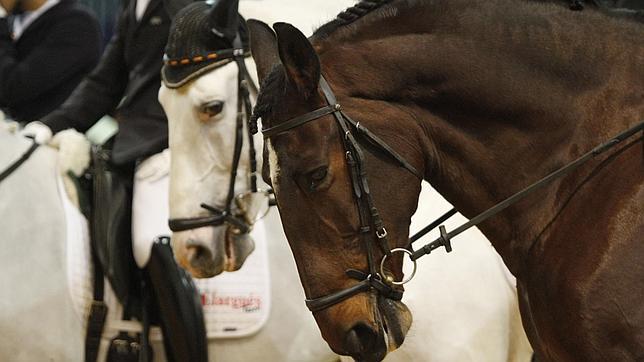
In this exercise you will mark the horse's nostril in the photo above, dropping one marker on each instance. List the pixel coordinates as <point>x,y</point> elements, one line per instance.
<point>199,256</point>
<point>361,340</point>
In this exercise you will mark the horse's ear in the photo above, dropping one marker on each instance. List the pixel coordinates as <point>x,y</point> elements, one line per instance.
<point>224,18</point>
<point>298,57</point>
<point>172,7</point>
<point>263,46</point>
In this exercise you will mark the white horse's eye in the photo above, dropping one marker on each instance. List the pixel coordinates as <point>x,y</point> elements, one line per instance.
<point>210,109</point>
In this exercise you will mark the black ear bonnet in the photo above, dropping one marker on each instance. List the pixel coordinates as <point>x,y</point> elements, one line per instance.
<point>197,44</point>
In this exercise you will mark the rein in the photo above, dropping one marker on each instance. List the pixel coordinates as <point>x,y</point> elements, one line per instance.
<point>17,163</point>
<point>370,221</point>
<point>445,238</point>
<point>244,107</point>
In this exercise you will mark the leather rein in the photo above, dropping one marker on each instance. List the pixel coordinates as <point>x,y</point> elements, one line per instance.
<point>17,163</point>
<point>372,226</point>
<point>244,110</point>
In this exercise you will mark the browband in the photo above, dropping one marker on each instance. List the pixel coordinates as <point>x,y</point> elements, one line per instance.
<point>298,121</point>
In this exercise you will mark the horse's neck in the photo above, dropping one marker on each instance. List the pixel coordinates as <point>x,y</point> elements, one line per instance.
<point>497,117</point>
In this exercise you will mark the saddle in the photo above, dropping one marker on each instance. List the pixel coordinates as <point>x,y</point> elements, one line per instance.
<point>111,234</point>
<point>160,294</point>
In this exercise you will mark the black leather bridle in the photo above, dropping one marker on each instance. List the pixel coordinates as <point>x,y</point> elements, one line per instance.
<point>371,224</point>
<point>226,215</point>
<point>370,221</point>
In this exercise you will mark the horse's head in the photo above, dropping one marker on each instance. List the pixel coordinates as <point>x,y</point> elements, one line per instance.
<point>211,207</point>
<point>327,209</point>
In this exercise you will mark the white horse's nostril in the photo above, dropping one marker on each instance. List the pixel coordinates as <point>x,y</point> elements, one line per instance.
<point>201,261</point>
<point>199,255</point>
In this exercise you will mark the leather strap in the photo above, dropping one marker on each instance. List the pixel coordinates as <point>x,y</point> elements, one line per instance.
<point>383,145</point>
<point>318,304</point>
<point>433,225</point>
<point>17,163</point>
<point>97,312</point>
<point>183,224</point>
<point>444,239</point>
<point>366,283</point>
<point>297,121</point>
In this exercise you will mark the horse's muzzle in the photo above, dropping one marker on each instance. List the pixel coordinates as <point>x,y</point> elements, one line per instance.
<point>364,343</point>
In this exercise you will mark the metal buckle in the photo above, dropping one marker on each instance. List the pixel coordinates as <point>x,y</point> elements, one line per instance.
<point>383,234</point>
<point>404,281</point>
<point>374,277</point>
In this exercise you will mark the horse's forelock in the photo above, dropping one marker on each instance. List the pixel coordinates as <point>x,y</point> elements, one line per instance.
<point>273,88</point>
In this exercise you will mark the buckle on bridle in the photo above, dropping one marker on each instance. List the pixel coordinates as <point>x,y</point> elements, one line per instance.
<point>382,233</point>
<point>404,280</point>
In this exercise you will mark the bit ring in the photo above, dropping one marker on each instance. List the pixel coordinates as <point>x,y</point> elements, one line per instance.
<point>405,280</point>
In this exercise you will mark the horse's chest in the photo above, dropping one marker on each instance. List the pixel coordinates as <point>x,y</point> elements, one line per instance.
<point>584,303</point>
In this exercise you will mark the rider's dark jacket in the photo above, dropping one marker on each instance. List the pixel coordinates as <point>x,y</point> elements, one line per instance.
<point>40,69</point>
<point>125,85</point>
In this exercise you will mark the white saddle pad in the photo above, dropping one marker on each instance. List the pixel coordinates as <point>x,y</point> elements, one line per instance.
<point>235,304</point>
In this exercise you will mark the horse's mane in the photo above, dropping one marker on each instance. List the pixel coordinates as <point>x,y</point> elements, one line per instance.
<point>274,85</point>
<point>510,17</point>
<point>348,16</point>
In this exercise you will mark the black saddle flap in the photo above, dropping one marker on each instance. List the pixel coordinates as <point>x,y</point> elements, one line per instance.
<point>111,224</point>
<point>179,304</point>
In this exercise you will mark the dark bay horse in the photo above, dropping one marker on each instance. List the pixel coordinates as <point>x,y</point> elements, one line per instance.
<point>481,98</point>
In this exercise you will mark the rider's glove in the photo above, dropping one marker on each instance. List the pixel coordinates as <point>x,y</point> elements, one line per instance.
<point>38,131</point>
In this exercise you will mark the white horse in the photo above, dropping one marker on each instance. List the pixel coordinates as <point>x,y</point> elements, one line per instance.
<point>46,274</point>
<point>38,321</point>
<point>46,264</point>
<point>467,303</point>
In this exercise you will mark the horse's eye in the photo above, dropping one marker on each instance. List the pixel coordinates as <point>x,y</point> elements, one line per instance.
<point>319,174</point>
<point>317,177</point>
<point>211,109</point>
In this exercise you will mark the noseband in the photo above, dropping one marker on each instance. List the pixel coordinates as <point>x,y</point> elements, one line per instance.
<point>371,224</point>
<point>244,109</point>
